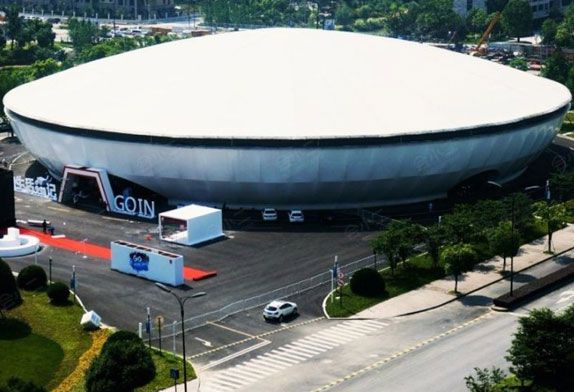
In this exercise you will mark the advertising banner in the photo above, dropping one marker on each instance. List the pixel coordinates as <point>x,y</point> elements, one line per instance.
<point>148,263</point>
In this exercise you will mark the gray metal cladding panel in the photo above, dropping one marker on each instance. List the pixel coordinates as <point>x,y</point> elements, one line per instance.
<point>305,177</point>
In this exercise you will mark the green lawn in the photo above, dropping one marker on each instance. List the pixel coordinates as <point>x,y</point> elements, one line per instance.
<point>163,363</point>
<point>416,273</point>
<point>41,342</point>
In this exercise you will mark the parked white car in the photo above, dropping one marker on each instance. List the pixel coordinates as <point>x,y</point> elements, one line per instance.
<point>269,214</point>
<point>279,310</point>
<point>296,216</point>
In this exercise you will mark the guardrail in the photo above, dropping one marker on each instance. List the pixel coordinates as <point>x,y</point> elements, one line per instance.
<point>262,299</point>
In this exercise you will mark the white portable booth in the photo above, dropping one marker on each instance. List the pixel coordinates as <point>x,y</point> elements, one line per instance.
<point>191,225</point>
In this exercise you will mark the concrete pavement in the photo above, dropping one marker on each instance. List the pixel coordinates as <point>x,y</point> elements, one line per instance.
<point>439,292</point>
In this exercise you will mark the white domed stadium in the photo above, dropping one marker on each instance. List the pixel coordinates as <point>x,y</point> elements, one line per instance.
<point>291,118</point>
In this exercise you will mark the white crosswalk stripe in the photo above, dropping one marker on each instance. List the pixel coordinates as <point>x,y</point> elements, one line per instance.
<point>293,353</point>
<point>258,368</point>
<point>350,330</point>
<point>319,340</point>
<point>280,357</point>
<point>253,369</point>
<point>339,337</point>
<point>303,349</point>
<point>310,345</point>
<point>296,353</point>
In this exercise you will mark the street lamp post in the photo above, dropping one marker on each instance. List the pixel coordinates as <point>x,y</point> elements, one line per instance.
<point>512,219</point>
<point>181,301</point>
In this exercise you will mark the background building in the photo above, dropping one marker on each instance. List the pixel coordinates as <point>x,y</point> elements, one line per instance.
<point>128,8</point>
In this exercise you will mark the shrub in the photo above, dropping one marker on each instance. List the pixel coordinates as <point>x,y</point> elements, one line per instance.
<point>121,336</point>
<point>58,292</point>
<point>18,385</point>
<point>367,282</point>
<point>9,294</point>
<point>32,277</point>
<point>123,365</point>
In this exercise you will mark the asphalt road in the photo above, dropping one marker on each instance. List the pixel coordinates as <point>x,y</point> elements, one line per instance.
<point>442,366</point>
<point>436,348</point>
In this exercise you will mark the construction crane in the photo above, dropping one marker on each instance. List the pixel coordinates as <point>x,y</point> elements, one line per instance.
<point>486,34</point>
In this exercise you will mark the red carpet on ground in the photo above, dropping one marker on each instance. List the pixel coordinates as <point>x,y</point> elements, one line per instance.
<point>197,274</point>
<point>101,252</point>
<point>82,247</point>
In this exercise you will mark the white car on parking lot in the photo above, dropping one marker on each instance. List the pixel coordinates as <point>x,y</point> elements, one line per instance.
<point>296,216</point>
<point>279,310</point>
<point>269,214</point>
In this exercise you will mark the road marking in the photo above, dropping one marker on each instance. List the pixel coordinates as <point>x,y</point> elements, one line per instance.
<point>340,336</point>
<point>306,349</point>
<point>58,209</point>
<point>261,362</point>
<point>231,329</point>
<point>396,355</point>
<point>349,331</point>
<point>328,338</point>
<point>274,355</point>
<point>315,344</point>
<point>206,343</point>
<point>295,353</point>
<point>281,358</point>
<point>255,337</point>
<point>272,361</point>
<point>16,158</point>
<point>235,355</point>
<point>256,368</point>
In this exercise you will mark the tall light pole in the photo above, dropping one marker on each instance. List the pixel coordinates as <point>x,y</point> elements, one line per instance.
<point>181,301</point>
<point>512,200</point>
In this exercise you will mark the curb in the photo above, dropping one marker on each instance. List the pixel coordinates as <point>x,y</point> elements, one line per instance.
<point>460,296</point>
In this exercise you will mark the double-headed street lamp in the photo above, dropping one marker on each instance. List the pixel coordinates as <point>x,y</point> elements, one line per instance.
<point>181,301</point>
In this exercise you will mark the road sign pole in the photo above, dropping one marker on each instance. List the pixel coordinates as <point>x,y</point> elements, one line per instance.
<point>159,331</point>
<point>148,328</point>
<point>334,273</point>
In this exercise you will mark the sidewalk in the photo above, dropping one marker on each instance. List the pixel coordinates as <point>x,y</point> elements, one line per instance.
<point>438,292</point>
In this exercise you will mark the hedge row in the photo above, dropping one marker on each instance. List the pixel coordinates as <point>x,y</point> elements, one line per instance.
<point>531,289</point>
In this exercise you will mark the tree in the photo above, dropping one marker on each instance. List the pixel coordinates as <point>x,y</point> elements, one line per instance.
<point>9,294</point>
<point>83,33</point>
<point>43,68</point>
<point>123,365</point>
<point>556,67</point>
<point>542,349</point>
<point>476,21</point>
<point>503,241</point>
<point>14,24</point>
<point>517,18</point>
<point>485,380</point>
<point>562,186</point>
<point>519,207</point>
<point>458,258</point>
<point>344,16</point>
<point>553,216</point>
<point>548,31</point>
<point>434,236</point>
<point>437,19</point>
<point>459,226</point>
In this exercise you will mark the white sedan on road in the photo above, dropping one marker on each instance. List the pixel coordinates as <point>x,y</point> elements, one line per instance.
<point>279,310</point>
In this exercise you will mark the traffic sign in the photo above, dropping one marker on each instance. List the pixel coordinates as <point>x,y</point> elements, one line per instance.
<point>340,279</point>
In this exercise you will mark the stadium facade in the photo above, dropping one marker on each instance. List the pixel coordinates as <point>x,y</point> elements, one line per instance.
<point>291,118</point>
